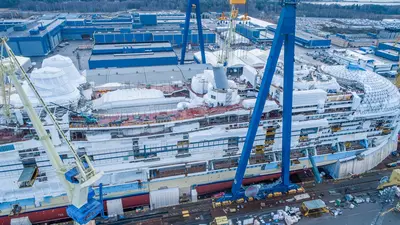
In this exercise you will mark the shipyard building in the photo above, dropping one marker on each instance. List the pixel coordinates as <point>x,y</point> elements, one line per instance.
<point>40,37</point>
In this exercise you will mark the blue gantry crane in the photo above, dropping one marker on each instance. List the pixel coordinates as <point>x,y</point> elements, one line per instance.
<point>193,4</point>
<point>284,35</point>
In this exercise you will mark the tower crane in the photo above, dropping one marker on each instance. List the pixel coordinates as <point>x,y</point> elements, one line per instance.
<point>284,34</point>
<point>226,48</point>
<point>76,179</point>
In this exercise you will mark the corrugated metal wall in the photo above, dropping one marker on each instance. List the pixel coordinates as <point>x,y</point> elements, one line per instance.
<point>103,38</point>
<point>387,55</point>
<point>176,39</point>
<point>32,48</point>
<point>164,198</point>
<point>137,62</point>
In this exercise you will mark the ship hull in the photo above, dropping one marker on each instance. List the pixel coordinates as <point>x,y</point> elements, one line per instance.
<point>59,213</point>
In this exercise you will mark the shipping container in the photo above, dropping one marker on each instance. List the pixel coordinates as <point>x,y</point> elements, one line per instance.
<point>388,54</point>
<point>148,19</point>
<point>391,46</point>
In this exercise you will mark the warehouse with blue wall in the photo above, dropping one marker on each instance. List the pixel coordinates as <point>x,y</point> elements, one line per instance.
<point>388,54</point>
<point>174,37</point>
<point>249,31</point>
<point>36,40</point>
<point>389,46</point>
<point>308,40</point>
<point>132,55</point>
<point>40,37</point>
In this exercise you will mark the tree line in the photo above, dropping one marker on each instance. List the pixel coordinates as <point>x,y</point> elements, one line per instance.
<point>259,8</point>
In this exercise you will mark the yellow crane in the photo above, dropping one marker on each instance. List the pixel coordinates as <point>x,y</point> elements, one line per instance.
<point>78,178</point>
<point>226,48</point>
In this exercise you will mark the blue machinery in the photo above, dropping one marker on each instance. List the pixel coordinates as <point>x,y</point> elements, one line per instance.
<point>193,4</point>
<point>285,34</point>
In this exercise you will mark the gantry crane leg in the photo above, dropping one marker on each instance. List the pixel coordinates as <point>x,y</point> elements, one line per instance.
<point>195,4</point>
<point>285,33</point>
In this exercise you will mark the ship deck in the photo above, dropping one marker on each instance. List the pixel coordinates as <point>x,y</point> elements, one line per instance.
<point>156,117</point>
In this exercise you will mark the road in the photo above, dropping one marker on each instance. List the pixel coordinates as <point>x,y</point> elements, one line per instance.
<point>363,214</point>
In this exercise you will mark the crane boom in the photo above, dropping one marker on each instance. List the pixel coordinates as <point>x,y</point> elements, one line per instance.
<point>76,180</point>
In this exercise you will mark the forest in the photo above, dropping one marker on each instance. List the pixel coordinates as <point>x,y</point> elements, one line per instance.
<point>260,8</point>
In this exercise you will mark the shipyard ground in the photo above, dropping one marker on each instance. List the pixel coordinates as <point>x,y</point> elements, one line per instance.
<point>202,211</point>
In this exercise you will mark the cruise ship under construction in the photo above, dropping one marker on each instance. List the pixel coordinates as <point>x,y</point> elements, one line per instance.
<point>175,141</point>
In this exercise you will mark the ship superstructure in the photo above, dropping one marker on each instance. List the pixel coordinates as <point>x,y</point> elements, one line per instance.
<point>185,138</point>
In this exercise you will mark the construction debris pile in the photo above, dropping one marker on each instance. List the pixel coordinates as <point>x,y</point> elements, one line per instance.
<point>289,215</point>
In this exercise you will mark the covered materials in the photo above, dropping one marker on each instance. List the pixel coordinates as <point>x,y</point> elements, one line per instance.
<point>269,105</point>
<point>126,97</point>
<point>307,98</point>
<point>65,64</point>
<point>53,86</point>
<point>136,100</point>
<point>25,62</point>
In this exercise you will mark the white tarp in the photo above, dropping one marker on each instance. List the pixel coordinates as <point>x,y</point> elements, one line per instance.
<point>132,97</point>
<point>114,208</point>
<point>65,64</point>
<point>53,86</point>
<point>307,98</point>
<point>164,198</point>
<point>20,221</point>
<point>269,105</point>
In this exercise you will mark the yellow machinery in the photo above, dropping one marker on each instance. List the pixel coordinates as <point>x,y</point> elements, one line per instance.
<point>396,209</point>
<point>222,220</point>
<point>314,207</point>
<point>394,180</point>
<point>223,17</point>
<point>397,81</point>
<point>226,47</point>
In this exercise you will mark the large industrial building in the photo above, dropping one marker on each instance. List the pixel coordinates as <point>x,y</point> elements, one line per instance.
<point>307,40</point>
<point>40,37</point>
<point>132,55</point>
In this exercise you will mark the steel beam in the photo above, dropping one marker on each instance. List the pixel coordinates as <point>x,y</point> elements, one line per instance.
<point>285,32</point>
